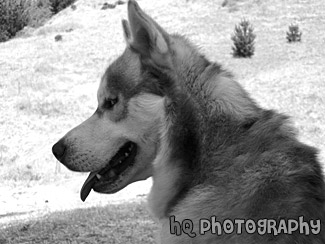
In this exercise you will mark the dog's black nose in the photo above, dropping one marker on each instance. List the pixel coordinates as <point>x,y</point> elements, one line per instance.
<point>59,149</point>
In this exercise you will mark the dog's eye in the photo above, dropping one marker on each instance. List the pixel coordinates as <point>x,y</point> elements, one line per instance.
<point>110,102</point>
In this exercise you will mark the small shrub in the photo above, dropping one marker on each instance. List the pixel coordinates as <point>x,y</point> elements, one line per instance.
<point>38,12</point>
<point>54,6</point>
<point>108,6</point>
<point>13,18</point>
<point>73,7</point>
<point>58,5</point>
<point>58,38</point>
<point>243,39</point>
<point>120,2</point>
<point>16,14</point>
<point>294,35</point>
<point>224,3</point>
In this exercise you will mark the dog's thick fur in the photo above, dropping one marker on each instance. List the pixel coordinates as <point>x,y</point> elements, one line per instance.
<point>210,149</point>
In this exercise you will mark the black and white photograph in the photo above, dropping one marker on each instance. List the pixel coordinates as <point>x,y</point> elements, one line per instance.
<point>167,122</point>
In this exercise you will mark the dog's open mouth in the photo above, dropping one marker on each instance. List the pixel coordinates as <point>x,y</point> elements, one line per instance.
<point>120,163</point>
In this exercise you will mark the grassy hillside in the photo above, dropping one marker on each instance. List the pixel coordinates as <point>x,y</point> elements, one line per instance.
<point>47,86</point>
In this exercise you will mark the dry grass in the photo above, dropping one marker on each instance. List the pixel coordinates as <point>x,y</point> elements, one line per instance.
<point>124,223</point>
<point>48,87</point>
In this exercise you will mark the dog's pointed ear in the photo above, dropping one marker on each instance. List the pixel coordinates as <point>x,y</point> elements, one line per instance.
<point>145,36</point>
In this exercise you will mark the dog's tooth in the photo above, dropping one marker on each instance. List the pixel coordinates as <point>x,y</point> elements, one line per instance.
<point>98,176</point>
<point>126,154</point>
<point>119,162</point>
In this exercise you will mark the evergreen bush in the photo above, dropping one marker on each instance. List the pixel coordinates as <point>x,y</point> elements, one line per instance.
<point>243,39</point>
<point>294,34</point>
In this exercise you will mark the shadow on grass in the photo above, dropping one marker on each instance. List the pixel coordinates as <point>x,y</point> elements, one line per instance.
<point>121,223</point>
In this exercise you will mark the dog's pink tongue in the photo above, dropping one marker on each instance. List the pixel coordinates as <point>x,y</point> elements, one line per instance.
<point>88,185</point>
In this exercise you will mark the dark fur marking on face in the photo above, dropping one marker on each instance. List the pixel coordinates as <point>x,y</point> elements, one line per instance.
<point>123,75</point>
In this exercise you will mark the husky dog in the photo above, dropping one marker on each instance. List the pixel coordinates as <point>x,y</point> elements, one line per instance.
<point>224,169</point>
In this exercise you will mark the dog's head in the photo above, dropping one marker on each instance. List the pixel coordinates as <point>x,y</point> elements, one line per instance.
<point>119,142</point>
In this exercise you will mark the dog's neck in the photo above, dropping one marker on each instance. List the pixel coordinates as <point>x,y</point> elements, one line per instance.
<point>205,99</point>
<point>214,88</point>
